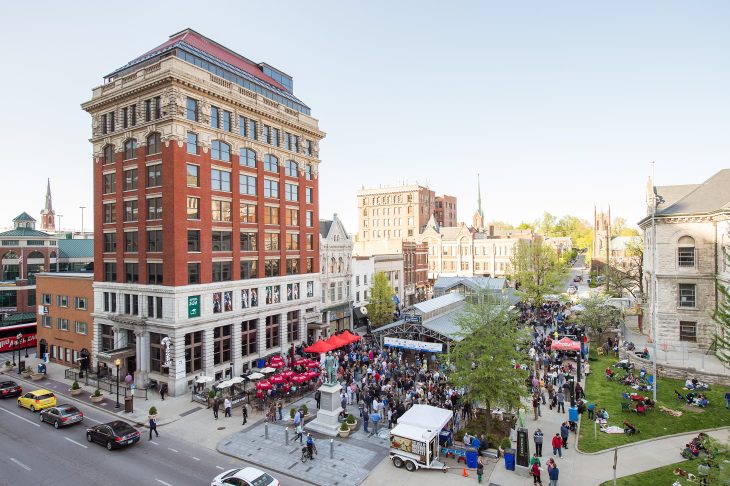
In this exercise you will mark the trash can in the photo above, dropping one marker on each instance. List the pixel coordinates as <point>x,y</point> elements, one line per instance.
<point>128,404</point>
<point>573,414</point>
<point>509,459</point>
<point>471,459</point>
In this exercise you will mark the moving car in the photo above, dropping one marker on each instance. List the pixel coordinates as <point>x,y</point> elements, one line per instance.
<point>113,434</point>
<point>10,389</point>
<point>37,400</point>
<point>577,278</point>
<point>572,289</point>
<point>248,476</point>
<point>61,415</point>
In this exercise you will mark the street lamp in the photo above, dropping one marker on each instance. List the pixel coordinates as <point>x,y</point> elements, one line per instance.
<point>117,362</point>
<point>82,220</point>
<point>19,337</point>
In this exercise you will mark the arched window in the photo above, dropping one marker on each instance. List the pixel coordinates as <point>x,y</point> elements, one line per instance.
<point>332,265</point>
<point>35,254</point>
<point>247,158</point>
<point>339,265</point>
<point>107,154</point>
<point>130,149</point>
<point>153,144</point>
<point>52,255</point>
<point>220,151</point>
<point>308,172</point>
<point>686,252</point>
<point>271,163</point>
<point>291,168</point>
<point>11,255</point>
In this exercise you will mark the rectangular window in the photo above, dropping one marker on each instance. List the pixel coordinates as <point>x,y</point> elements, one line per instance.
<point>221,271</point>
<point>271,268</point>
<point>221,344</point>
<point>310,242</point>
<point>130,211</point>
<point>154,240</point>
<point>154,273</point>
<point>686,256</point>
<point>220,180</point>
<point>193,175</point>
<point>292,192</point>
<point>110,213</point>
<point>154,175</point>
<point>221,240</point>
<point>130,241</point>
<point>272,331</point>
<point>125,117</point>
<point>110,272</point>
<point>193,240</point>
<point>131,272</point>
<point>110,183</point>
<point>275,137</point>
<point>248,241</point>
<point>688,331</point>
<point>154,208</point>
<point>46,299</point>
<point>221,210</point>
<point>103,124</point>
<point>147,110</point>
<point>193,352</point>
<point>193,207</point>
<point>192,109</point>
<point>292,266</point>
<point>158,106</point>
<point>63,324</point>
<point>308,147</point>
<point>214,117</point>
<point>242,125</point>
<point>249,269</point>
<point>687,295</point>
<point>271,188</point>
<point>271,215</point>
<point>227,121</point>
<point>247,185</point>
<point>310,219</point>
<point>271,241</point>
<point>192,143</point>
<point>130,180</point>
<point>133,114</point>
<point>112,119</point>
<point>308,195</point>
<point>249,337</point>
<point>292,241</point>
<point>267,134</point>
<point>292,216</point>
<point>292,326</point>
<point>46,321</point>
<point>193,273</point>
<point>247,213</point>
<point>253,130</point>
<point>62,300</point>
<point>110,242</point>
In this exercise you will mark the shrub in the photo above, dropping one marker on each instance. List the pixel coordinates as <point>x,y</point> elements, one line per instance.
<point>75,385</point>
<point>292,412</point>
<point>305,409</point>
<point>351,419</point>
<point>592,354</point>
<point>7,363</point>
<point>492,441</point>
<point>153,410</point>
<point>97,393</point>
<point>211,394</point>
<point>506,443</point>
<point>344,427</point>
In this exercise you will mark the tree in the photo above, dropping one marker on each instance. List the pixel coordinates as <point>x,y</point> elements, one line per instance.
<point>526,226</point>
<point>536,271</point>
<point>598,313</point>
<point>618,225</point>
<point>381,306</point>
<point>484,360</point>
<point>628,277</point>
<point>546,225</point>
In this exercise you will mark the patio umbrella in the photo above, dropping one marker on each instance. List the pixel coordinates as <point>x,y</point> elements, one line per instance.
<point>235,380</point>
<point>277,380</point>
<point>313,364</point>
<point>267,370</point>
<point>264,385</point>
<point>287,374</point>
<point>276,359</point>
<point>276,364</point>
<point>337,342</point>
<point>204,379</point>
<point>259,394</point>
<point>566,344</point>
<point>301,378</point>
<point>223,384</point>
<point>319,347</point>
<point>255,376</point>
<point>312,374</point>
<point>300,362</point>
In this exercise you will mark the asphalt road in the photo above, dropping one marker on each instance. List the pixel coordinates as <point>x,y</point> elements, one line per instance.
<point>32,452</point>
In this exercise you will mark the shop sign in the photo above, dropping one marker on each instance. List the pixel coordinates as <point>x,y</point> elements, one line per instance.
<point>193,306</point>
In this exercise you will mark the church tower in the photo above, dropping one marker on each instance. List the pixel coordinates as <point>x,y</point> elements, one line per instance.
<point>601,232</point>
<point>477,221</point>
<point>48,215</point>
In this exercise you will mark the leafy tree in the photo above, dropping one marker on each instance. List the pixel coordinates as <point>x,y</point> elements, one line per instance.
<point>579,231</point>
<point>501,224</point>
<point>598,314</point>
<point>618,225</point>
<point>381,306</point>
<point>537,271</point>
<point>628,276</point>
<point>546,225</point>
<point>524,226</point>
<point>484,360</point>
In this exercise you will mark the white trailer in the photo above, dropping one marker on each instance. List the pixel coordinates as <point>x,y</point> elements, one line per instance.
<point>414,442</point>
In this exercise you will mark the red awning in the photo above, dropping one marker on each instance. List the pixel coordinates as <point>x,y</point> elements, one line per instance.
<point>319,347</point>
<point>349,337</point>
<point>565,344</point>
<point>337,341</point>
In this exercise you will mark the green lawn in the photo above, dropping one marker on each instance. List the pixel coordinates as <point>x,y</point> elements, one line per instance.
<point>660,475</point>
<point>656,423</point>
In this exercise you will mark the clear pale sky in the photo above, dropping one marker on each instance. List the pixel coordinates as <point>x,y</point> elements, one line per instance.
<point>558,105</point>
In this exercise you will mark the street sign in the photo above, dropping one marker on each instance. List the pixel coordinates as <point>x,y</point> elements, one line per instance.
<point>415,319</point>
<point>193,306</point>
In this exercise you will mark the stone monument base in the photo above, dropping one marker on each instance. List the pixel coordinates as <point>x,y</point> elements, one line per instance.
<point>329,410</point>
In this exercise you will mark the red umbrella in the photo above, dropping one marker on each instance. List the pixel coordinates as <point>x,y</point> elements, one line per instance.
<point>276,364</point>
<point>264,385</point>
<point>313,364</point>
<point>312,374</point>
<point>337,342</point>
<point>566,344</point>
<point>277,380</point>
<point>299,378</point>
<point>300,362</point>
<point>287,374</point>
<point>319,347</point>
<point>286,387</point>
<point>351,338</point>
<point>259,394</point>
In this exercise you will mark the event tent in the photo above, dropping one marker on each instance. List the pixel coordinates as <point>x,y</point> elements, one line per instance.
<point>566,344</point>
<point>319,347</point>
<point>434,418</point>
<point>337,341</point>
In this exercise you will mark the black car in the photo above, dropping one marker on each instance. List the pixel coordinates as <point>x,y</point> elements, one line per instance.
<point>10,389</point>
<point>61,415</point>
<point>113,434</point>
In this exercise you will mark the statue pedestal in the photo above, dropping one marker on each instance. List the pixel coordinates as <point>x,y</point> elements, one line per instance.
<point>329,410</point>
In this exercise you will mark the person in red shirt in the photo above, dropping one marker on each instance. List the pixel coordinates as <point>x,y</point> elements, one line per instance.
<point>558,445</point>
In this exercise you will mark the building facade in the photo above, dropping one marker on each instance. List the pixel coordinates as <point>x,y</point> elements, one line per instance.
<point>335,247</point>
<point>363,271</point>
<point>415,272</point>
<point>227,272</point>
<point>392,266</point>
<point>65,329</point>
<point>445,210</point>
<point>692,224</point>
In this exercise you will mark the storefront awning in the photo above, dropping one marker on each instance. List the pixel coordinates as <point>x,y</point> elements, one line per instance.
<point>114,354</point>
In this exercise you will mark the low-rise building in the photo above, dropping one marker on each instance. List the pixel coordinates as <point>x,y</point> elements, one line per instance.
<point>415,272</point>
<point>363,271</point>
<point>335,248</point>
<point>392,266</point>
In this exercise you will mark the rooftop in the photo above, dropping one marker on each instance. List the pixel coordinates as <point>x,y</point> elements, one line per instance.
<point>87,275</point>
<point>25,232</point>
<point>23,217</point>
<point>475,283</point>
<point>78,248</point>
<point>439,303</point>
<point>710,196</point>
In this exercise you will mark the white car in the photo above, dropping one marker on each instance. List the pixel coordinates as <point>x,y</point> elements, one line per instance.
<point>248,476</point>
<point>572,289</point>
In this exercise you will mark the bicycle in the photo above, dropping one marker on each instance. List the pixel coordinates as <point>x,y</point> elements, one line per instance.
<point>307,455</point>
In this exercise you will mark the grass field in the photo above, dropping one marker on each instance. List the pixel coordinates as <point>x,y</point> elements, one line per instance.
<point>660,475</point>
<point>608,394</point>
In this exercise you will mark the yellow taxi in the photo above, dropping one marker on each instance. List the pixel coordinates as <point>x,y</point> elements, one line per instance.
<point>37,400</point>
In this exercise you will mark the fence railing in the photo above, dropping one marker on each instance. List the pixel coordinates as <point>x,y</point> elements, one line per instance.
<point>105,384</point>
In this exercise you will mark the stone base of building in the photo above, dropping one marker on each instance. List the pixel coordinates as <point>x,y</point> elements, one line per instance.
<point>329,410</point>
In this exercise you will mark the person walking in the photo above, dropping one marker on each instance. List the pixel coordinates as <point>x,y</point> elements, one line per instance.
<point>727,399</point>
<point>553,472</point>
<point>317,397</point>
<point>299,432</point>
<point>558,446</point>
<point>216,406</point>
<point>244,412</point>
<point>538,438</point>
<point>480,469</point>
<point>227,407</point>
<point>163,390</point>
<point>564,434</point>
<point>279,406</point>
<point>561,400</point>
<point>153,426</point>
<point>535,404</point>
<point>365,420</point>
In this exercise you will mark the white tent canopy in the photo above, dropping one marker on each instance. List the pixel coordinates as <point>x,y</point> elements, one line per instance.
<point>204,379</point>
<point>255,376</point>
<point>426,416</point>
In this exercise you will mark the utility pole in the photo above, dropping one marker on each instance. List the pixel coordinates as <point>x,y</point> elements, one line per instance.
<point>608,258</point>
<point>82,220</point>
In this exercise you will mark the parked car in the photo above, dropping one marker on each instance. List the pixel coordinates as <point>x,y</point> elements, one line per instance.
<point>10,389</point>
<point>577,278</point>
<point>572,289</point>
<point>248,476</point>
<point>37,400</point>
<point>61,415</point>
<point>113,434</point>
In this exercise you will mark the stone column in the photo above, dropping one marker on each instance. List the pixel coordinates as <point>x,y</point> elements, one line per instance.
<point>283,333</point>
<point>178,377</point>
<point>261,335</point>
<point>236,345</point>
<point>208,352</point>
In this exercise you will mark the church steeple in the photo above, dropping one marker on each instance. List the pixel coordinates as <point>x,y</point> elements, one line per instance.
<point>478,219</point>
<point>479,197</point>
<point>48,215</point>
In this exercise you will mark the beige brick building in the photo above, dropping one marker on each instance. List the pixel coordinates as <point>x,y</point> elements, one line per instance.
<point>692,241</point>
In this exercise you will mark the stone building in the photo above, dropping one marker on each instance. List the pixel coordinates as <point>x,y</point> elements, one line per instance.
<point>415,272</point>
<point>172,132</point>
<point>692,244</point>
<point>335,248</point>
<point>48,215</point>
<point>363,271</point>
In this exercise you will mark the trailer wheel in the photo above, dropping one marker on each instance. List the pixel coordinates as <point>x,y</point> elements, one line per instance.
<point>398,462</point>
<point>410,467</point>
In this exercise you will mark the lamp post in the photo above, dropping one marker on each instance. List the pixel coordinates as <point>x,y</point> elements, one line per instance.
<point>117,362</point>
<point>82,220</point>
<point>19,337</point>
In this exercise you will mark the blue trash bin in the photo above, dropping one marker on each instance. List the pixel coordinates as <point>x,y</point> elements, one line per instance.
<point>471,459</point>
<point>573,414</point>
<point>509,459</point>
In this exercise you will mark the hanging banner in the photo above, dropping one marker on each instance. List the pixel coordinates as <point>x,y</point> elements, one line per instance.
<point>416,345</point>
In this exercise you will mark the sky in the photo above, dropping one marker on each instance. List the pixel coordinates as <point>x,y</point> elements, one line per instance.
<point>559,106</point>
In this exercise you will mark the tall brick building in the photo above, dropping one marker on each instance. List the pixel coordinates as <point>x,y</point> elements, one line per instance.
<point>206,212</point>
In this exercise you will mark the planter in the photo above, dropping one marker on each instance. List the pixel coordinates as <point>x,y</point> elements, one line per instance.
<point>352,426</point>
<point>37,376</point>
<point>343,433</point>
<point>76,392</point>
<point>5,369</point>
<point>26,373</point>
<point>96,399</point>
